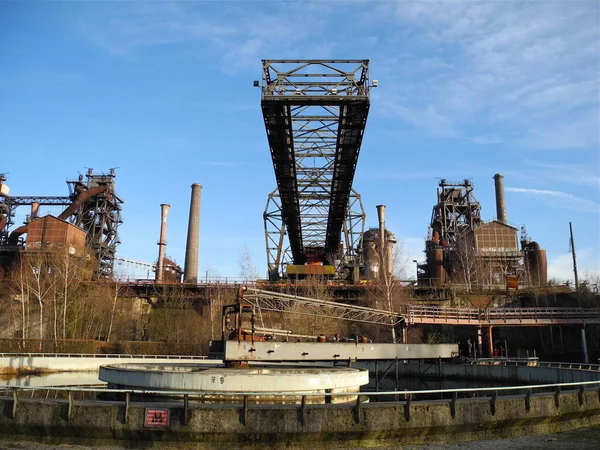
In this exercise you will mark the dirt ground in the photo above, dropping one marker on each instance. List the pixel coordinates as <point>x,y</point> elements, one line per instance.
<point>581,440</point>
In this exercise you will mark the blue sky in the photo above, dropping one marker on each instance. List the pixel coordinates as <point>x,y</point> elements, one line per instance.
<point>163,91</point>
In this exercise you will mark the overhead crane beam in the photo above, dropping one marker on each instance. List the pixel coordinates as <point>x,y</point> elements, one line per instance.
<point>315,113</point>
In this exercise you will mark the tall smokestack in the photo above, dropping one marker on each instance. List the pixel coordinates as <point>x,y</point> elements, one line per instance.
<point>383,248</point>
<point>190,273</point>
<point>162,243</point>
<point>500,200</point>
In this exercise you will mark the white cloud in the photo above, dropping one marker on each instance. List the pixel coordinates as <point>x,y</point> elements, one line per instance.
<point>239,34</point>
<point>570,173</point>
<point>532,67</point>
<point>588,265</point>
<point>521,73</point>
<point>567,200</point>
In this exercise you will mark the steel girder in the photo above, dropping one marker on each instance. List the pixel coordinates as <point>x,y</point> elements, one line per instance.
<point>8,205</point>
<point>315,113</point>
<point>41,200</point>
<point>278,245</point>
<point>273,301</point>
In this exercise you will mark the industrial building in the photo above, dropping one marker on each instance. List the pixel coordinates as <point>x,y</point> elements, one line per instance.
<point>463,250</point>
<point>90,220</point>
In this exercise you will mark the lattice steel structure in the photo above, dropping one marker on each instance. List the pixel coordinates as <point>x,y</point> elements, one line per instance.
<point>100,217</point>
<point>278,245</point>
<point>315,113</point>
<point>10,204</point>
<point>455,213</point>
<point>273,301</point>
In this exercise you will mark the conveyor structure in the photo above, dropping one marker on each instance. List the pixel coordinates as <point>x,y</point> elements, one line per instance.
<point>315,112</point>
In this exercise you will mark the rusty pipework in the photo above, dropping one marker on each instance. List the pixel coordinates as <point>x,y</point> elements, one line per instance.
<point>82,196</point>
<point>162,243</point>
<point>500,199</point>
<point>3,220</point>
<point>190,274</point>
<point>13,238</point>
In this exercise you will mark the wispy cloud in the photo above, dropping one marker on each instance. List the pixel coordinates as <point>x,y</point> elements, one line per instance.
<point>559,199</point>
<point>237,34</point>
<point>525,74</point>
<point>542,172</point>
<point>529,68</point>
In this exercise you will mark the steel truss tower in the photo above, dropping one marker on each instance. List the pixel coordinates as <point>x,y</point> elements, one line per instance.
<point>315,113</point>
<point>278,246</point>
<point>100,217</point>
<point>455,213</point>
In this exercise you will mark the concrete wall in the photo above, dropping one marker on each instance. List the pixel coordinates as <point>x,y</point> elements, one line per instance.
<point>319,426</point>
<point>10,364</point>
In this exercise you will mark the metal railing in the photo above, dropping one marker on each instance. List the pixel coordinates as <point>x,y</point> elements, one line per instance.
<point>492,316</point>
<point>99,355</point>
<point>511,389</point>
<point>537,363</point>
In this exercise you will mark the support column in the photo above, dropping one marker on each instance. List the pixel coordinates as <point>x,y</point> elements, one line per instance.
<point>404,334</point>
<point>479,342</point>
<point>490,341</point>
<point>586,358</point>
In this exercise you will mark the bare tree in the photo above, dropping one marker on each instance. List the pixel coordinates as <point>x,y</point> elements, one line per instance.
<point>386,290</point>
<point>19,285</point>
<point>247,268</point>
<point>465,266</point>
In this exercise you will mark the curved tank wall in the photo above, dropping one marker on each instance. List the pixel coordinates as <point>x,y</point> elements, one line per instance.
<point>372,259</point>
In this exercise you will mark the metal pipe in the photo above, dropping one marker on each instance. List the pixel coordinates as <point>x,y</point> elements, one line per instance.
<point>13,238</point>
<point>500,200</point>
<point>164,210</point>
<point>81,198</point>
<point>383,249</point>
<point>190,273</point>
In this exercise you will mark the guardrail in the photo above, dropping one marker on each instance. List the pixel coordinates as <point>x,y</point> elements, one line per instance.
<point>537,363</point>
<point>501,316</point>
<point>404,397</point>
<point>100,355</point>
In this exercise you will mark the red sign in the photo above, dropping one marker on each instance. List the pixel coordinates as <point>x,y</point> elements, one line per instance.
<point>156,418</point>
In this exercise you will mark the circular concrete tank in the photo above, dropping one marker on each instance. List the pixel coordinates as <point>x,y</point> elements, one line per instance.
<point>222,384</point>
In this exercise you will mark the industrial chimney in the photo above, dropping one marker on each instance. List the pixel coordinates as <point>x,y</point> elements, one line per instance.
<point>500,200</point>
<point>35,208</point>
<point>383,247</point>
<point>190,272</point>
<point>162,243</point>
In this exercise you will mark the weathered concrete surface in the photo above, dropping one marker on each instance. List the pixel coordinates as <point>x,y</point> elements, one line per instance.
<point>330,351</point>
<point>192,377</point>
<point>48,363</point>
<point>320,426</point>
<point>582,439</point>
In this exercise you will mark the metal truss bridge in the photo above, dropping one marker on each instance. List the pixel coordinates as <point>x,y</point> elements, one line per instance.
<point>273,301</point>
<point>501,316</point>
<point>315,112</point>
